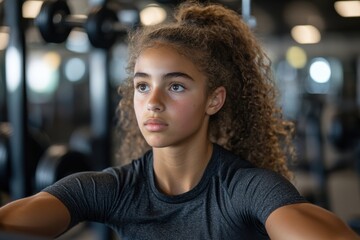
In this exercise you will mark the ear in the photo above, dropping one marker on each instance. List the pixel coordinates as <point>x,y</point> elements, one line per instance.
<point>216,100</point>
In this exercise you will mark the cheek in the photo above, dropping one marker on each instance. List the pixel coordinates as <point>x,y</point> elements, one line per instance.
<point>188,112</point>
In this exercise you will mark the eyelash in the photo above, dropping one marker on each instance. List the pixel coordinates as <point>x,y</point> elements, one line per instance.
<point>178,85</point>
<point>138,85</point>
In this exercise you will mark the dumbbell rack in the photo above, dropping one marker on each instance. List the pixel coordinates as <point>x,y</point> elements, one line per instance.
<point>22,163</point>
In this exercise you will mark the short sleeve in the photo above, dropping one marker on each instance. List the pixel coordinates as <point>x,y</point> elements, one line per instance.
<point>259,192</point>
<point>89,196</point>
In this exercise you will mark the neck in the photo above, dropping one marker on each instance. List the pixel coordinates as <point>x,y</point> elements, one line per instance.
<point>179,169</point>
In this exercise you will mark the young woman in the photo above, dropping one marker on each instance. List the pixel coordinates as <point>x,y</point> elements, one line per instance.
<point>201,100</point>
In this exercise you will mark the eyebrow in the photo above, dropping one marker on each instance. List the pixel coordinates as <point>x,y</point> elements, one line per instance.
<point>166,76</point>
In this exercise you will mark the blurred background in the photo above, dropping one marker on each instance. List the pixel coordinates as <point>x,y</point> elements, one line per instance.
<point>61,63</point>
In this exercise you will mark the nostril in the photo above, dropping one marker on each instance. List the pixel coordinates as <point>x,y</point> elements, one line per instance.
<point>155,106</point>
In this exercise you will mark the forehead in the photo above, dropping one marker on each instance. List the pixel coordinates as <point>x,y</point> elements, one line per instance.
<point>164,57</point>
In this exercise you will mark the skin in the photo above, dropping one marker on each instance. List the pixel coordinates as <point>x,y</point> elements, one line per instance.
<point>306,221</point>
<point>173,113</point>
<point>173,108</point>
<point>41,214</point>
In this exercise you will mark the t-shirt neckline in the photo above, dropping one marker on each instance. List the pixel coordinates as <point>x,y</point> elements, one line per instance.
<point>187,196</point>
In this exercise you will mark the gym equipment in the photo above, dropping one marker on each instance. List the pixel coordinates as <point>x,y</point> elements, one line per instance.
<point>55,23</point>
<point>101,28</point>
<point>37,142</point>
<point>51,21</point>
<point>57,162</point>
<point>60,160</point>
<point>15,55</point>
<point>101,108</point>
<point>22,147</point>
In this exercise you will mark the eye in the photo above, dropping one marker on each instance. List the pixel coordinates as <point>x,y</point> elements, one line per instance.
<point>142,87</point>
<point>177,87</point>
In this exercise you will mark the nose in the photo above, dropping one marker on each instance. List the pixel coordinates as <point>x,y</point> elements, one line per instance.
<point>155,102</point>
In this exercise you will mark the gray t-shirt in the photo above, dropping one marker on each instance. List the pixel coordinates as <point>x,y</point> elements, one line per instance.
<point>232,200</point>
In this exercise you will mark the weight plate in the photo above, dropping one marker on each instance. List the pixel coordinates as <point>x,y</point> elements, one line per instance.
<point>58,162</point>
<point>51,21</point>
<point>99,27</point>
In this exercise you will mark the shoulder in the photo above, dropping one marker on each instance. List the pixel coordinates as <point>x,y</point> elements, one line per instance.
<point>111,178</point>
<point>240,177</point>
<point>95,195</point>
<point>235,170</point>
<point>254,190</point>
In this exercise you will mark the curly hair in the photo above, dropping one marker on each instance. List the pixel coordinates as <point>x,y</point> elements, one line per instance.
<point>224,48</point>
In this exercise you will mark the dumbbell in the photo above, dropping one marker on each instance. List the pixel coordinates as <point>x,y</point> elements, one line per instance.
<point>47,163</point>
<point>58,161</point>
<point>55,23</point>
<point>62,159</point>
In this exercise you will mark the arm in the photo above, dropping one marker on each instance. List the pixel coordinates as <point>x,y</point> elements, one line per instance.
<point>306,221</point>
<point>41,214</point>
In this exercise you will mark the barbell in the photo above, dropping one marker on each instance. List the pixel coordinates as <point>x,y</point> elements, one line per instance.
<point>102,25</point>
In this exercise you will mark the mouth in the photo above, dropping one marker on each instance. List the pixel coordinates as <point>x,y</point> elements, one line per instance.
<point>155,125</point>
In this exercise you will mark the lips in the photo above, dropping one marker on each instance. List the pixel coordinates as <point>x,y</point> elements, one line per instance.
<point>155,125</point>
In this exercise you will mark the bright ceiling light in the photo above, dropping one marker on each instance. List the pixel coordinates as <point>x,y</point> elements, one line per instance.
<point>296,57</point>
<point>13,70</point>
<point>53,59</point>
<point>152,14</point>
<point>78,41</point>
<point>320,70</point>
<point>4,38</point>
<point>42,72</point>
<point>31,9</point>
<point>75,69</point>
<point>348,8</point>
<point>306,34</point>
